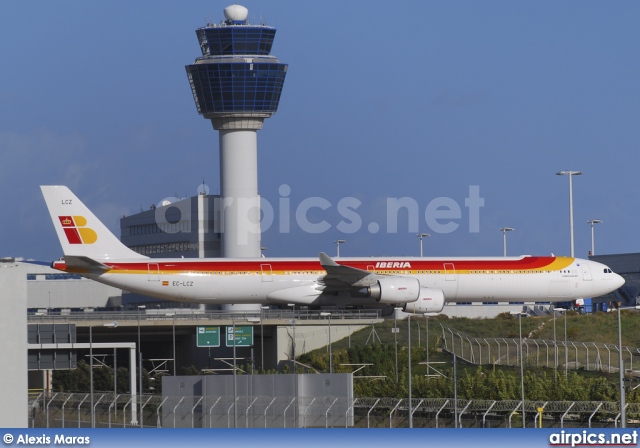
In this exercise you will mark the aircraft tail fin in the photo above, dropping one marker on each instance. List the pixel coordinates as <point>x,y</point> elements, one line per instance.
<point>81,234</point>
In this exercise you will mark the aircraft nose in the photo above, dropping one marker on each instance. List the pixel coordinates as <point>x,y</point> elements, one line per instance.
<point>619,281</point>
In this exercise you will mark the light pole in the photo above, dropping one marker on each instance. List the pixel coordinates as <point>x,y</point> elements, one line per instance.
<point>504,231</point>
<point>455,388</point>
<point>409,368</point>
<point>426,345</point>
<point>235,384</point>
<point>555,348</point>
<point>93,417</point>
<point>521,368</point>
<point>520,314</point>
<point>623,404</point>
<point>330,351</point>
<point>338,243</point>
<point>115,372</point>
<point>293,359</point>
<point>174,343</point>
<point>254,321</point>
<point>140,307</point>
<point>173,338</point>
<point>422,235</point>
<point>262,310</point>
<point>295,375</point>
<point>395,336</point>
<point>426,324</point>
<point>566,354</point>
<point>113,324</point>
<point>570,174</point>
<point>592,222</point>
<point>293,341</point>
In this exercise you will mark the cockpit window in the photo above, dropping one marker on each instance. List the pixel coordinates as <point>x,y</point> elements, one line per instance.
<point>608,271</point>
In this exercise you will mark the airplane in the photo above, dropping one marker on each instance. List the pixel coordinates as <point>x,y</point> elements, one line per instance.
<point>417,285</point>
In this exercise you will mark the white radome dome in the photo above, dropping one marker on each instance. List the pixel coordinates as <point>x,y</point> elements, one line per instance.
<point>236,13</point>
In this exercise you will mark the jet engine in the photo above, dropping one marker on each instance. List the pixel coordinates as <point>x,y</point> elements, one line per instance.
<point>430,301</point>
<point>394,290</point>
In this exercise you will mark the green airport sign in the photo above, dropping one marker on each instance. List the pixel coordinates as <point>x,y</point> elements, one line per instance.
<point>208,336</point>
<point>243,337</point>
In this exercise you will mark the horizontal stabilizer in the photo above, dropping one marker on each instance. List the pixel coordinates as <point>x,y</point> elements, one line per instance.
<point>84,264</point>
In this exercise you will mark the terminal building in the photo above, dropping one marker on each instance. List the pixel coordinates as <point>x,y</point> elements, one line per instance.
<point>172,229</point>
<point>50,290</point>
<point>628,266</point>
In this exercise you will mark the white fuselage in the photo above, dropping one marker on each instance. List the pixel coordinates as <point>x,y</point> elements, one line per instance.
<point>419,285</point>
<point>514,279</point>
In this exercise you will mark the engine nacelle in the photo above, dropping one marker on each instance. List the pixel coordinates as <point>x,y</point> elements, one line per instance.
<point>394,290</point>
<point>430,301</point>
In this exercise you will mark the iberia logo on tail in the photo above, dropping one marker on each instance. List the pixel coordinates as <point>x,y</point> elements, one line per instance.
<point>77,233</point>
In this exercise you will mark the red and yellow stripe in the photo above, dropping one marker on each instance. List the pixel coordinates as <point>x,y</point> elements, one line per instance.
<point>303,266</point>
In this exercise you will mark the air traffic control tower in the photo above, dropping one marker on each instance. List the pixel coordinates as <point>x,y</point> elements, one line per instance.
<point>237,84</point>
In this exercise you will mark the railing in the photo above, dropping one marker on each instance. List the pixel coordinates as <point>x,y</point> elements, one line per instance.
<point>192,314</point>
<point>63,410</point>
<point>558,354</point>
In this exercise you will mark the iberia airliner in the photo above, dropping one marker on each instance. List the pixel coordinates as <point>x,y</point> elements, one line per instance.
<point>418,285</point>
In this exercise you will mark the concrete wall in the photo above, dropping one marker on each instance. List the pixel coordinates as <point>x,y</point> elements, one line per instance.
<point>63,293</point>
<point>310,337</point>
<point>482,311</point>
<point>258,401</point>
<point>13,345</point>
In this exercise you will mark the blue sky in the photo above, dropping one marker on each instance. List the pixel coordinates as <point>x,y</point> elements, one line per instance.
<point>383,100</point>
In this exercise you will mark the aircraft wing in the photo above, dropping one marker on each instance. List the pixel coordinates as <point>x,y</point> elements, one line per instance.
<point>339,278</point>
<point>342,277</point>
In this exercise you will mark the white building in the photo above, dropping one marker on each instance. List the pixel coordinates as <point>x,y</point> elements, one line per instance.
<point>48,288</point>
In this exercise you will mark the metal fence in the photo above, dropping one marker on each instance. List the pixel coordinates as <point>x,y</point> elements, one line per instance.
<point>558,354</point>
<point>63,410</point>
<point>198,315</point>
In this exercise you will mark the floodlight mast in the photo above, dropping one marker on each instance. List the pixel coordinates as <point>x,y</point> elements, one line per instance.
<point>592,222</point>
<point>421,236</point>
<point>338,243</point>
<point>570,174</point>
<point>504,231</point>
